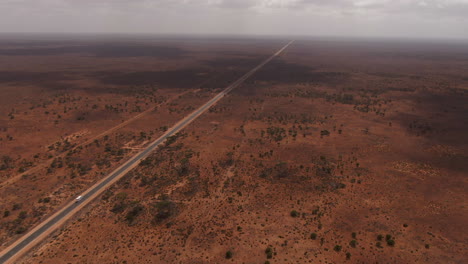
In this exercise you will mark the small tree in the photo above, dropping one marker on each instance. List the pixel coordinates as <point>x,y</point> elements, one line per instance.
<point>228,254</point>
<point>337,248</point>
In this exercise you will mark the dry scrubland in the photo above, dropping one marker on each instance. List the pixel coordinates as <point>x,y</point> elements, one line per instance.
<point>338,151</point>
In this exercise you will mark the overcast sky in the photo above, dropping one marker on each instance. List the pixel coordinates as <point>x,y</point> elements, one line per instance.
<point>389,18</point>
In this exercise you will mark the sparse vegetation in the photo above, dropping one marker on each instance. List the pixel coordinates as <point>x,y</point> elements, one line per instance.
<point>251,174</point>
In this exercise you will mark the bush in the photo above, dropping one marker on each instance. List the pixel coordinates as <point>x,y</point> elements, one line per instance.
<point>313,236</point>
<point>132,214</point>
<point>391,242</point>
<point>379,237</point>
<point>337,248</point>
<point>388,237</point>
<point>348,255</point>
<point>20,230</point>
<point>6,213</point>
<point>22,215</point>
<point>165,209</point>
<point>228,254</point>
<point>269,252</point>
<point>118,208</point>
<point>353,243</point>
<point>294,213</point>
<point>121,196</point>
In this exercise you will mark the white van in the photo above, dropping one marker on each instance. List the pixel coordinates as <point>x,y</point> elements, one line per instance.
<point>78,199</point>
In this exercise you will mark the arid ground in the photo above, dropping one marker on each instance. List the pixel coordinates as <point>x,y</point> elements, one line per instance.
<point>338,151</point>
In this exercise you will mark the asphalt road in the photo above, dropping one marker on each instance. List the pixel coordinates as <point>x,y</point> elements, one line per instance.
<point>32,238</point>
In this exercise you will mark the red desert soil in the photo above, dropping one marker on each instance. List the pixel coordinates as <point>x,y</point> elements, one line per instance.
<point>336,152</point>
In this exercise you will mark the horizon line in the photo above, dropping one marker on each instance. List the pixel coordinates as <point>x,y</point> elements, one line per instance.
<point>243,35</point>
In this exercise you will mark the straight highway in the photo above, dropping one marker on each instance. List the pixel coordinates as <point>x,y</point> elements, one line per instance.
<point>40,232</point>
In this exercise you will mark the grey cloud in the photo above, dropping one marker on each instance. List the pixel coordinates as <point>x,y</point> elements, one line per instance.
<point>434,18</point>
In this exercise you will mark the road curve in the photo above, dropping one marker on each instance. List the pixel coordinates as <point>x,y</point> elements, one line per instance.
<point>33,237</point>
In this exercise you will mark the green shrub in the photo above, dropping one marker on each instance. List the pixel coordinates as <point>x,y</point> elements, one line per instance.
<point>294,213</point>
<point>269,252</point>
<point>132,214</point>
<point>228,254</point>
<point>20,230</point>
<point>391,242</point>
<point>165,209</point>
<point>337,248</point>
<point>353,243</point>
<point>22,215</point>
<point>313,236</point>
<point>348,255</point>
<point>118,207</point>
<point>121,196</point>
